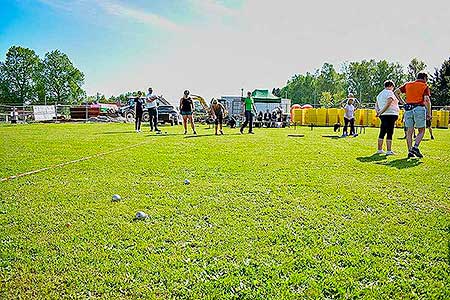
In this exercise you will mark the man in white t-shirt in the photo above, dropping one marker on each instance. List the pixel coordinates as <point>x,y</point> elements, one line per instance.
<point>151,105</point>
<point>387,110</point>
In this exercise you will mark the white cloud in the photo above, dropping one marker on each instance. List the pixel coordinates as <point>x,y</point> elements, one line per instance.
<point>127,12</point>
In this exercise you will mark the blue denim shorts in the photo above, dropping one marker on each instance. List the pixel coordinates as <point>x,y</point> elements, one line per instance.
<point>416,117</point>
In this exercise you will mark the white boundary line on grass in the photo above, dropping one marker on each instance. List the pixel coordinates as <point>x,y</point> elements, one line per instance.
<point>70,162</point>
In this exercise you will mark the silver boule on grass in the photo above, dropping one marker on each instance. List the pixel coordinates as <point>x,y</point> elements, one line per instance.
<point>116,198</point>
<point>140,215</point>
<point>186,181</point>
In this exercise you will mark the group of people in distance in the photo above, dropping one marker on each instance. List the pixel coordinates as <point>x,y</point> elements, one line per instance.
<point>417,106</point>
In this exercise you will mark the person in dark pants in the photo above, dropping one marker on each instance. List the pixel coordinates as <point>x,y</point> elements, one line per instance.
<point>387,110</point>
<point>217,111</point>
<point>151,105</point>
<point>249,107</point>
<point>349,117</point>
<point>138,111</point>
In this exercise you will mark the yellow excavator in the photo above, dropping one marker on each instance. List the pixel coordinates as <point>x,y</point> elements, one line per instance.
<point>203,114</point>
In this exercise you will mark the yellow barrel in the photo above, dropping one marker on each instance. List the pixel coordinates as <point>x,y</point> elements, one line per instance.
<point>434,121</point>
<point>309,116</point>
<point>376,122</point>
<point>297,116</point>
<point>332,116</point>
<point>443,118</point>
<point>359,114</point>
<point>365,117</point>
<point>321,117</point>
<point>399,122</point>
<point>341,113</point>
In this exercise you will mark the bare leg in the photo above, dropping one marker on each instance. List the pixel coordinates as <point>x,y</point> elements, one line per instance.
<point>431,132</point>
<point>380,144</point>
<point>389,145</point>
<point>185,123</point>
<point>191,119</point>
<point>419,137</point>
<point>409,135</point>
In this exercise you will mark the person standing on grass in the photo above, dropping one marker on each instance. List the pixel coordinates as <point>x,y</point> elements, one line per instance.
<point>349,115</point>
<point>417,110</point>
<point>387,110</point>
<point>249,107</point>
<point>217,112</point>
<point>187,109</point>
<point>152,107</point>
<point>138,111</point>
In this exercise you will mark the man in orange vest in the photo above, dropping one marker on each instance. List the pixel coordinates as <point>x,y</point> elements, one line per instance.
<point>417,110</point>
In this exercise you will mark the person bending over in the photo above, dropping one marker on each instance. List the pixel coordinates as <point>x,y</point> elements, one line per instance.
<point>217,111</point>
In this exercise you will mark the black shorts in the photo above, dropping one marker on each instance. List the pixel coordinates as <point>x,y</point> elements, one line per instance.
<point>219,119</point>
<point>428,123</point>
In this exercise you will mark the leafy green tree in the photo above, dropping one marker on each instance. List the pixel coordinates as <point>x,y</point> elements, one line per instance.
<point>19,75</point>
<point>329,80</point>
<point>62,80</point>
<point>301,89</point>
<point>414,67</point>
<point>440,85</point>
<point>326,100</point>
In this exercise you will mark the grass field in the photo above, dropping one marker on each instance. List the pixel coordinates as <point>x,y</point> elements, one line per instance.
<point>266,216</point>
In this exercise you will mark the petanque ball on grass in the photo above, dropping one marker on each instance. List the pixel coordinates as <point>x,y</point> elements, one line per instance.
<point>116,198</point>
<point>186,181</point>
<point>140,215</point>
<point>68,225</point>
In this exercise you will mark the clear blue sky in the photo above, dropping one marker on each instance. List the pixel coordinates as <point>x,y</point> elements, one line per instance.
<point>215,47</point>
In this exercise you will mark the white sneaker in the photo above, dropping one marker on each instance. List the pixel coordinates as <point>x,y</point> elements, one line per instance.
<point>380,152</point>
<point>390,153</point>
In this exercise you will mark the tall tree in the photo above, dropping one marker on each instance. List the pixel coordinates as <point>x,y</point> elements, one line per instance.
<point>440,85</point>
<point>414,67</point>
<point>61,78</point>
<point>19,74</point>
<point>301,88</point>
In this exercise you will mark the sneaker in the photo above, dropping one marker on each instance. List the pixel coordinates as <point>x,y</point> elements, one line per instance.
<point>355,135</point>
<point>195,132</point>
<point>251,132</point>
<point>416,152</point>
<point>221,132</point>
<point>185,132</point>
<point>410,154</point>
<point>380,152</point>
<point>432,137</point>
<point>390,153</point>
<point>241,131</point>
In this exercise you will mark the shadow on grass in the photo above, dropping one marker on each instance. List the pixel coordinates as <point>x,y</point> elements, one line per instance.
<point>197,136</point>
<point>118,132</point>
<point>402,163</point>
<point>296,135</point>
<point>372,158</point>
<point>334,137</point>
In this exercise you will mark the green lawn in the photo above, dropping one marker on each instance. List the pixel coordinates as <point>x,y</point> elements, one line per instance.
<point>266,216</point>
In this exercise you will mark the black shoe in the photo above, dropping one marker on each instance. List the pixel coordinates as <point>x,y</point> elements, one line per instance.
<point>241,131</point>
<point>416,152</point>
<point>185,132</point>
<point>251,132</point>
<point>432,137</point>
<point>195,132</point>
<point>410,154</point>
<point>157,130</point>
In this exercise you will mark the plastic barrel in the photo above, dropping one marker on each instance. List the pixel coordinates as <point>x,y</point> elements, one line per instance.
<point>309,117</point>
<point>321,117</point>
<point>332,116</point>
<point>297,116</point>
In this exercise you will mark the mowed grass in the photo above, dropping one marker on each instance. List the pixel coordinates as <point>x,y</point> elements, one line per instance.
<point>266,216</point>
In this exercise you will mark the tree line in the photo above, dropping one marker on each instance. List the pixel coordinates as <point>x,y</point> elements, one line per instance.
<point>27,79</point>
<point>327,86</point>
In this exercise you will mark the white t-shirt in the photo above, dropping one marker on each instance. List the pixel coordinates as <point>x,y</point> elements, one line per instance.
<point>150,104</point>
<point>382,98</point>
<point>349,111</point>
